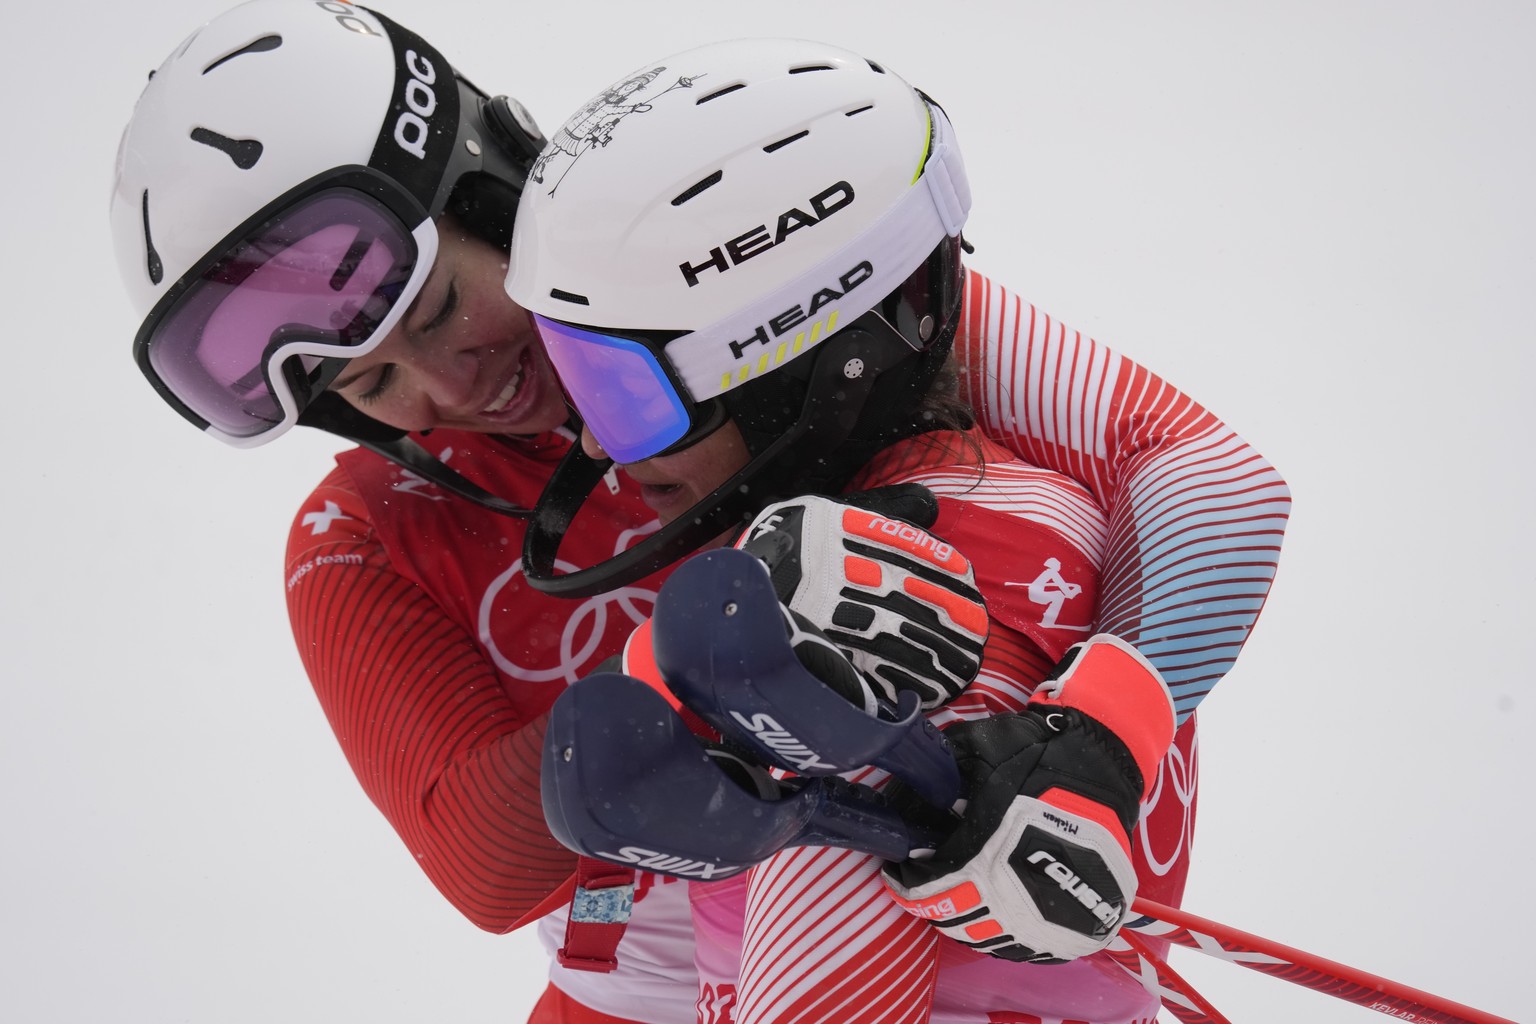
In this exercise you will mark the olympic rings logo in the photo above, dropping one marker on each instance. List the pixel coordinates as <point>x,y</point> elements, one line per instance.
<point>582,634</point>
<point>1178,779</point>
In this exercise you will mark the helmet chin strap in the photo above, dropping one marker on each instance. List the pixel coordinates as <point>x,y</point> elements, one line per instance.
<point>332,414</point>
<point>833,404</point>
<point>403,451</point>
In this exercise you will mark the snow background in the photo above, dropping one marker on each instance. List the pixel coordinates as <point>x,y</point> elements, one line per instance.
<point>1315,217</point>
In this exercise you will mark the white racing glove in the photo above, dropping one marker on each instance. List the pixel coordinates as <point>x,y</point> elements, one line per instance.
<point>1039,867</point>
<point>899,602</point>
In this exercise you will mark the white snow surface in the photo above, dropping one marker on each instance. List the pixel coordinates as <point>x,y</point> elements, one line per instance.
<point>1315,217</point>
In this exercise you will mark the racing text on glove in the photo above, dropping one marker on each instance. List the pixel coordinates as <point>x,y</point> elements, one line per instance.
<point>899,602</point>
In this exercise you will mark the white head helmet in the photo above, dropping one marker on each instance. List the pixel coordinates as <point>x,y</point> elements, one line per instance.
<point>274,201</point>
<point>765,229</point>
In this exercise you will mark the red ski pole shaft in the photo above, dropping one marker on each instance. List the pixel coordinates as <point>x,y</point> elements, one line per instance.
<point>1180,998</point>
<point>1302,968</point>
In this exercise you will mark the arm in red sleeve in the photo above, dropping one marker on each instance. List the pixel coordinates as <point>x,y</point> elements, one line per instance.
<point>1196,515</point>
<point>425,725</point>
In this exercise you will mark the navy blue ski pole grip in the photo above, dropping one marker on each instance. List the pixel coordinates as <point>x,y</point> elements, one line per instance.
<point>625,781</point>
<point>721,642</point>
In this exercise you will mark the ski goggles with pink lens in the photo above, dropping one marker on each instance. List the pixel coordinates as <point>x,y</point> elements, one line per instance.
<point>245,340</point>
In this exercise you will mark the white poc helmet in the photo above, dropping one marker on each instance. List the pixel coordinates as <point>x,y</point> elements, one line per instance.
<point>765,229</point>
<point>274,201</point>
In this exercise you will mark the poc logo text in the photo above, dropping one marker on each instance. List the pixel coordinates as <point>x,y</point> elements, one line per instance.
<point>420,101</point>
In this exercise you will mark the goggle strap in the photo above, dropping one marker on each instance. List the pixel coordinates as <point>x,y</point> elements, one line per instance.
<point>578,475</point>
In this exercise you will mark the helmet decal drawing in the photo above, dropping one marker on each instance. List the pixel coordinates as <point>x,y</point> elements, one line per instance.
<point>274,201</point>
<point>593,128</point>
<point>772,234</point>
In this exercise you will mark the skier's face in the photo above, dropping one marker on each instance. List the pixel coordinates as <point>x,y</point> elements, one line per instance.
<point>465,356</point>
<point>672,484</point>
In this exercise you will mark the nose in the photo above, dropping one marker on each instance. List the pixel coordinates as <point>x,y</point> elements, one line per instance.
<point>589,444</point>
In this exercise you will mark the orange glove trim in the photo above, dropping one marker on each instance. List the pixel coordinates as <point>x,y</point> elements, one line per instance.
<point>1094,811</point>
<point>1119,690</point>
<point>968,615</point>
<point>960,900</point>
<point>640,662</point>
<point>861,571</point>
<point>893,533</point>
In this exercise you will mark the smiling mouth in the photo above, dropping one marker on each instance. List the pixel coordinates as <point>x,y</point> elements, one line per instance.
<point>510,389</point>
<point>507,394</point>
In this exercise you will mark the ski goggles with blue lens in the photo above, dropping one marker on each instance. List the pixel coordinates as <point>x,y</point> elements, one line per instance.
<point>638,407</point>
<point>245,339</point>
<point>623,388</point>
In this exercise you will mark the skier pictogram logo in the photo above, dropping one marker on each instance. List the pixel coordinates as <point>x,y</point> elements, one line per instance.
<point>1052,590</point>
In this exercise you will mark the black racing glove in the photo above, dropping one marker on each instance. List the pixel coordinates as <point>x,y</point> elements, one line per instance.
<point>1039,867</point>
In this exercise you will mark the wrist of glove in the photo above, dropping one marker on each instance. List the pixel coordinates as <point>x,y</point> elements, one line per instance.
<point>901,604</point>
<point>1039,867</point>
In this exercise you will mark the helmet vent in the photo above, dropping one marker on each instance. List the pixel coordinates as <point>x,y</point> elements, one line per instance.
<point>786,140</point>
<point>151,257</point>
<point>719,92</point>
<point>564,296</point>
<point>261,45</point>
<point>697,187</point>
<point>858,110</point>
<point>876,68</point>
<point>810,67</point>
<point>244,152</point>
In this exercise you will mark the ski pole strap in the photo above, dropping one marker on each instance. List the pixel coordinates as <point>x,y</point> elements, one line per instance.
<point>605,894</point>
